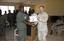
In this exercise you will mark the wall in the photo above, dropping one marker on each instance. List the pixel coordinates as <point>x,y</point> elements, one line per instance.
<point>55,7</point>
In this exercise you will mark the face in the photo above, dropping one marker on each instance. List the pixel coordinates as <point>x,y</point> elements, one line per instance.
<point>41,9</point>
<point>22,9</point>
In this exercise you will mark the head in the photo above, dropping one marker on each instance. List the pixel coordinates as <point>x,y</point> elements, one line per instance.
<point>21,7</point>
<point>5,12</point>
<point>14,11</point>
<point>25,12</point>
<point>17,11</point>
<point>9,11</point>
<point>41,8</point>
<point>31,11</point>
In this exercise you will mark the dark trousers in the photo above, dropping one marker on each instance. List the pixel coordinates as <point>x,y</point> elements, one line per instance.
<point>28,30</point>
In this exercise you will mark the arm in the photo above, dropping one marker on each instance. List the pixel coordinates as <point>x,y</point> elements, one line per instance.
<point>44,18</point>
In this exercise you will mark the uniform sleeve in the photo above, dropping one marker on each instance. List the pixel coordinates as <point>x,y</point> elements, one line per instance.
<point>18,18</point>
<point>44,18</point>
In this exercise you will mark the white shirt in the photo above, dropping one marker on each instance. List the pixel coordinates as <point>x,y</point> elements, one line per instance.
<point>33,17</point>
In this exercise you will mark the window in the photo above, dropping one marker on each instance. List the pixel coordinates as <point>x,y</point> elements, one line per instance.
<point>26,9</point>
<point>6,8</point>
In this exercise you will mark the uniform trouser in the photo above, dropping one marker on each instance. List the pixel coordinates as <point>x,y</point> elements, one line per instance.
<point>21,35</point>
<point>42,35</point>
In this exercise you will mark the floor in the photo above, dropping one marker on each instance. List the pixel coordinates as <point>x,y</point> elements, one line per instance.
<point>54,37</point>
<point>8,37</point>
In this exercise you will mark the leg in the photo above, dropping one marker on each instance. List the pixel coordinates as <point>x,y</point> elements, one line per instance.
<point>44,35</point>
<point>21,36</point>
<point>40,36</point>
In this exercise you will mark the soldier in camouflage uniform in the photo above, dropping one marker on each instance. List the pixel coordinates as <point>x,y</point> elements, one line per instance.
<point>21,25</point>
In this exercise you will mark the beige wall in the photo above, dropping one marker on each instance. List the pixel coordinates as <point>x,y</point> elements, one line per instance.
<point>55,7</point>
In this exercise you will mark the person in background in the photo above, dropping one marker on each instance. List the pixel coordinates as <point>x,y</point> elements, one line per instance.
<point>14,18</point>
<point>10,18</point>
<point>5,17</point>
<point>26,12</point>
<point>30,12</point>
<point>42,24</point>
<point>2,23</point>
<point>0,12</point>
<point>21,24</point>
<point>5,14</point>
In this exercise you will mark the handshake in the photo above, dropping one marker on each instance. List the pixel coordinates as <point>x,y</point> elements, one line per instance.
<point>31,24</point>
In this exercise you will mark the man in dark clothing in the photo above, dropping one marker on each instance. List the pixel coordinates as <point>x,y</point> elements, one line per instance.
<point>10,18</point>
<point>0,12</point>
<point>14,18</point>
